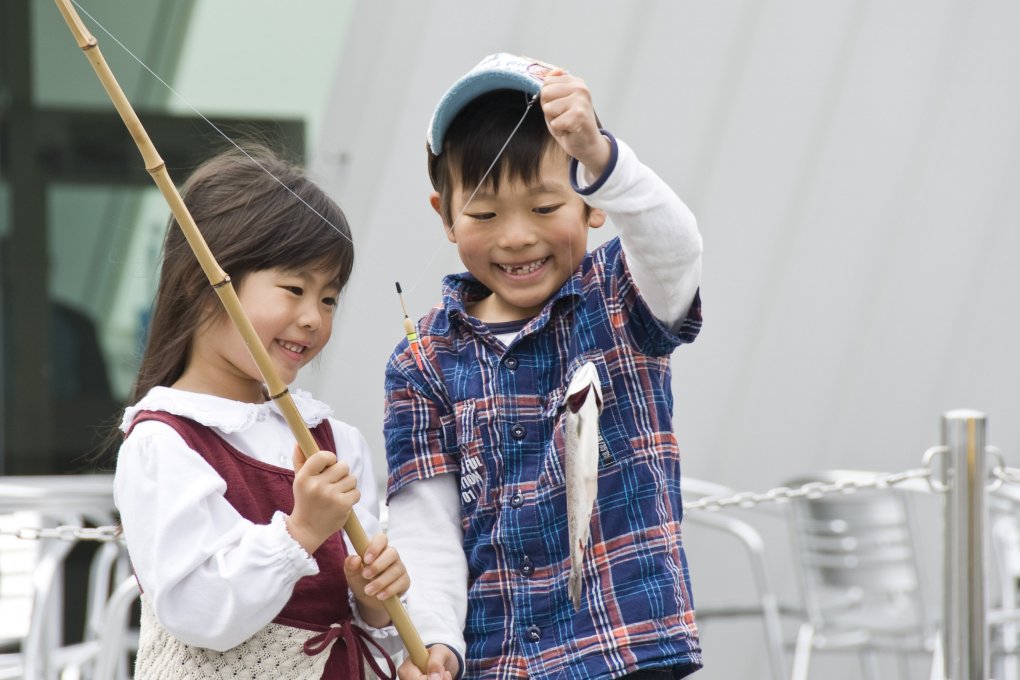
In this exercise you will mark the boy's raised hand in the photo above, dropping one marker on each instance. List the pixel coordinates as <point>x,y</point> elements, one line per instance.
<point>374,578</point>
<point>570,117</point>
<point>325,493</point>
<point>442,665</point>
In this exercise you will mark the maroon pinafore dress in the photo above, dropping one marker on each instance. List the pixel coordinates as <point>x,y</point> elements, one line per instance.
<point>319,603</point>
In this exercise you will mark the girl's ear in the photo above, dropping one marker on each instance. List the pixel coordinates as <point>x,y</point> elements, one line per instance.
<point>437,205</point>
<point>596,218</point>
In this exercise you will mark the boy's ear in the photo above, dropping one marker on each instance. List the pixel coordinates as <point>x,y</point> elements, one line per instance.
<point>596,218</point>
<point>437,205</point>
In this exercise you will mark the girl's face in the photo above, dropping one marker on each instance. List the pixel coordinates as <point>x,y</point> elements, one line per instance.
<point>292,311</point>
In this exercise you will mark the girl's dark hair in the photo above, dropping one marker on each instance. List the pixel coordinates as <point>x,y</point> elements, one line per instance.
<point>251,223</point>
<point>475,137</point>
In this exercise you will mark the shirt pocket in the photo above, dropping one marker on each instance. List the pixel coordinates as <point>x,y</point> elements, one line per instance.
<point>614,443</point>
<point>480,465</point>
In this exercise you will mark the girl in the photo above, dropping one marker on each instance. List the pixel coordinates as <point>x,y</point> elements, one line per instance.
<point>232,534</point>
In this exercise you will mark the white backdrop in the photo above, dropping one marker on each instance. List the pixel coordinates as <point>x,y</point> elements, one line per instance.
<point>854,167</point>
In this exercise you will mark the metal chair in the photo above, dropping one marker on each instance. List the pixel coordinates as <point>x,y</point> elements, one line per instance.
<point>860,576</point>
<point>48,502</point>
<point>767,606</point>
<point>1004,583</point>
<point>117,637</point>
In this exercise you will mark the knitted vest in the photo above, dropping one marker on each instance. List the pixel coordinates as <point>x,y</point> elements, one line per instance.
<point>319,604</point>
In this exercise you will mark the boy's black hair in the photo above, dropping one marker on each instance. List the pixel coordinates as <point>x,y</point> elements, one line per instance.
<point>475,137</point>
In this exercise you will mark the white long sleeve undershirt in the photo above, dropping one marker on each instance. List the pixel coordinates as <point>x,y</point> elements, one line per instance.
<point>658,232</point>
<point>425,523</point>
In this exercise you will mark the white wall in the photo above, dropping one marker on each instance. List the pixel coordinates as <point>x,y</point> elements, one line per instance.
<point>855,169</point>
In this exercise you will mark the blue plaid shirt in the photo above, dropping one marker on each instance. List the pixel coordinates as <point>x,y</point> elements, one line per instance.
<point>493,415</point>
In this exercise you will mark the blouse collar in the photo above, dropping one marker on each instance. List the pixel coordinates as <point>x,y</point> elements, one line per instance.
<point>226,415</point>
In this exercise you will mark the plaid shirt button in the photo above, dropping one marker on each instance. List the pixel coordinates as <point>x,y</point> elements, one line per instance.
<point>518,432</point>
<point>516,501</point>
<point>526,568</point>
<point>510,362</point>
<point>533,634</point>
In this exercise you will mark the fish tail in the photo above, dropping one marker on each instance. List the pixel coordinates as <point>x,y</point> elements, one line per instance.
<point>574,586</point>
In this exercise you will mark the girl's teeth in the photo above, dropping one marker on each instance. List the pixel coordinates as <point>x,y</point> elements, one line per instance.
<point>292,348</point>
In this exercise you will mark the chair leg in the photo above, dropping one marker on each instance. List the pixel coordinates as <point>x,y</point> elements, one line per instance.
<point>802,652</point>
<point>938,663</point>
<point>1010,667</point>
<point>902,666</point>
<point>869,665</point>
<point>44,631</point>
<point>113,640</point>
<point>1008,662</point>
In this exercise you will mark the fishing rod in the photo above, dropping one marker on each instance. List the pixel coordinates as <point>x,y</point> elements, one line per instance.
<point>221,283</point>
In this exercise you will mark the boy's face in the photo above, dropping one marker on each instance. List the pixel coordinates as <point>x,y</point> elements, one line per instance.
<point>523,241</point>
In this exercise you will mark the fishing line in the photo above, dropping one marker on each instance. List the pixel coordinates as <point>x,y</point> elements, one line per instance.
<point>499,154</point>
<point>435,251</point>
<point>530,102</point>
<point>421,269</point>
<point>209,122</point>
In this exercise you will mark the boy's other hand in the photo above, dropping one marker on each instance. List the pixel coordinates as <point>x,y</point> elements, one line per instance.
<point>570,117</point>
<point>374,578</point>
<point>325,493</point>
<point>442,665</point>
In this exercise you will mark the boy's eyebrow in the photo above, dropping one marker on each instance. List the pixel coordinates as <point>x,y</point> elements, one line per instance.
<point>540,188</point>
<point>543,188</point>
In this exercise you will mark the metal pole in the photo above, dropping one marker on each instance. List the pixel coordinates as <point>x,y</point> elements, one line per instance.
<point>965,631</point>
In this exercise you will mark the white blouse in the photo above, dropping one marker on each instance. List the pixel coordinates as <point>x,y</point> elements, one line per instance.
<point>214,578</point>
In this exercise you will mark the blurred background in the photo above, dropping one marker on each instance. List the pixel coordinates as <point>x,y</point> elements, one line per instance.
<point>854,166</point>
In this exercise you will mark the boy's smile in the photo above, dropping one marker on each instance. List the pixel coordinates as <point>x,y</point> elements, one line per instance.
<point>523,270</point>
<point>523,241</point>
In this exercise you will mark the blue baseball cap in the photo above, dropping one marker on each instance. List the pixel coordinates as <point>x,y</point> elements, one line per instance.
<point>501,71</point>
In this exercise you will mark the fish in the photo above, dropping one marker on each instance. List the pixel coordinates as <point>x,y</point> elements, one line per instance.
<point>583,408</point>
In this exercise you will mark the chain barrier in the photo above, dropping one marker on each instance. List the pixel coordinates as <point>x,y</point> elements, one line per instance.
<point>104,534</point>
<point>1006,475</point>
<point>745,499</point>
<point>811,491</point>
<point>1000,474</point>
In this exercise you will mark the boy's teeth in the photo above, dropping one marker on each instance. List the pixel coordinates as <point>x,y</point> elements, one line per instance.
<point>292,347</point>
<point>523,269</point>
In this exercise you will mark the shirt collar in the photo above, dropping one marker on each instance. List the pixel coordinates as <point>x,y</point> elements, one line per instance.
<point>458,291</point>
<point>463,288</point>
<point>226,415</point>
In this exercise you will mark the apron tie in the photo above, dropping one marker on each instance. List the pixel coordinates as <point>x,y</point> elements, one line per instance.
<point>354,638</point>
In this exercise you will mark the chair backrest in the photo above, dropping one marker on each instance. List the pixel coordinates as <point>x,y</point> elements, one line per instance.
<point>857,558</point>
<point>17,562</point>
<point>33,599</point>
<point>1004,535</point>
<point>767,604</point>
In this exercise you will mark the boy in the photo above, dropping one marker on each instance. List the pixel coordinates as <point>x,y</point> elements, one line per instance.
<point>475,437</point>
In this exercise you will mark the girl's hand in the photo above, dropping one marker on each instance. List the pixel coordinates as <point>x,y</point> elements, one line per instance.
<point>324,494</point>
<point>442,665</point>
<point>376,577</point>
<point>570,117</point>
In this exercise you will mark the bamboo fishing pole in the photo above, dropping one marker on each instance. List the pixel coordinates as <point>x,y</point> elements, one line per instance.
<point>220,281</point>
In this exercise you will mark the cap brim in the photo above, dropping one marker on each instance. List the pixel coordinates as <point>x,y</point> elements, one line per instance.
<point>476,83</point>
